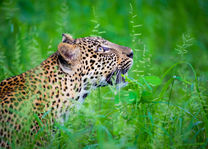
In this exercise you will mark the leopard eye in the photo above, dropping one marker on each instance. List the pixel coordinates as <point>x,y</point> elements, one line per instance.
<point>100,49</point>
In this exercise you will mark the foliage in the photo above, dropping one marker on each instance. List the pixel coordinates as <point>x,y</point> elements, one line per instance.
<point>186,43</point>
<point>165,102</point>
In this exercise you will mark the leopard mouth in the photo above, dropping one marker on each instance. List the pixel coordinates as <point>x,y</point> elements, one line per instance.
<point>118,79</point>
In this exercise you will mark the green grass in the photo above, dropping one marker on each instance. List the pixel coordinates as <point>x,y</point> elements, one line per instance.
<point>165,102</point>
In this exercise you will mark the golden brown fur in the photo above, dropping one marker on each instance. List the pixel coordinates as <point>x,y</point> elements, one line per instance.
<point>66,76</point>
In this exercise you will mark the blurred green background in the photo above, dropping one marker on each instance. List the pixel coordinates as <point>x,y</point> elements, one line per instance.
<point>163,22</point>
<point>161,33</point>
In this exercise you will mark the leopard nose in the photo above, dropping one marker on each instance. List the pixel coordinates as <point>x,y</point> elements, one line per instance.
<point>130,55</point>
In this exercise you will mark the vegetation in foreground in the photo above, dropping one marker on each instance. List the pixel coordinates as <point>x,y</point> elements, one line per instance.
<point>165,102</point>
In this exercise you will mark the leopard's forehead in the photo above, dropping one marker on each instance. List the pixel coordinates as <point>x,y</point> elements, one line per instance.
<point>92,40</point>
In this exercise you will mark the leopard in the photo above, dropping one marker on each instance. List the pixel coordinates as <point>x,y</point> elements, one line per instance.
<point>64,79</point>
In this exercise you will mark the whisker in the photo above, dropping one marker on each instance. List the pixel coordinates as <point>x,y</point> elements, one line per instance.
<point>110,76</point>
<point>118,76</point>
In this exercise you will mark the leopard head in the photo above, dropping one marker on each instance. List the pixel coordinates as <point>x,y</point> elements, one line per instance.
<point>94,59</point>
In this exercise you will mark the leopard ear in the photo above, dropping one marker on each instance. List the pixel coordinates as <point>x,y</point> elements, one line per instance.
<point>67,38</point>
<point>70,53</point>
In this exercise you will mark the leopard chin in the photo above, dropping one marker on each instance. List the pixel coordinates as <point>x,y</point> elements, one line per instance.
<point>116,77</point>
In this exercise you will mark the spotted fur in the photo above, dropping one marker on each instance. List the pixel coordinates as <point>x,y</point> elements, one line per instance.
<point>49,90</point>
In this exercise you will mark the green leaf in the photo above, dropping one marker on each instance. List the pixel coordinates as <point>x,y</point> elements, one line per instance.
<point>132,97</point>
<point>146,96</point>
<point>153,80</point>
<point>126,97</point>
